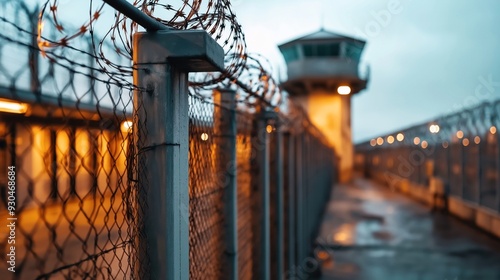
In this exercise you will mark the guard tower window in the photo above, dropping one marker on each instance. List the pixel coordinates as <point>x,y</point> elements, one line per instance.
<point>353,51</point>
<point>323,50</point>
<point>290,53</point>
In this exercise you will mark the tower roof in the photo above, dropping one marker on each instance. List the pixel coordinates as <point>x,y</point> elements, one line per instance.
<point>321,36</point>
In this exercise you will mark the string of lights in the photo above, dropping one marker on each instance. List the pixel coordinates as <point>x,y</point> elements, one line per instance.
<point>472,123</point>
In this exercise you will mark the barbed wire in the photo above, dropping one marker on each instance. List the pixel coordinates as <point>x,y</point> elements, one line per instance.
<point>249,72</point>
<point>470,124</point>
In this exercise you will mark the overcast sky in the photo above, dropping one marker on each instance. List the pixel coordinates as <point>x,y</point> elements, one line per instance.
<point>427,57</point>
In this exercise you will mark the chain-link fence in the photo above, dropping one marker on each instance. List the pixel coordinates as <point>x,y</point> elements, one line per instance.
<point>460,149</point>
<point>80,144</point>
<point>206,186</point>
<point>64,135</point>
<point>306,159</point>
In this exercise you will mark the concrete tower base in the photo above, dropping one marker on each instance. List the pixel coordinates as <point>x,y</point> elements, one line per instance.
<point>331,113</point>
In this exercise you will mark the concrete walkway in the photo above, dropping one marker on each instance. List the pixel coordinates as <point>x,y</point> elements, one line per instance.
<point>370,233</point>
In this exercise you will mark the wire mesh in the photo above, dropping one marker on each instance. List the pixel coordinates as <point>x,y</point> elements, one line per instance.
<point>73,216</point>
<point>205,194</point>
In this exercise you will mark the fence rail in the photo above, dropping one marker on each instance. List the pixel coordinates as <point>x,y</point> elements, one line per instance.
<point>91,163</point>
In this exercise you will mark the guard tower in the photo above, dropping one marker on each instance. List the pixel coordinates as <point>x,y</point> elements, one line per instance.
<point>322,76</point>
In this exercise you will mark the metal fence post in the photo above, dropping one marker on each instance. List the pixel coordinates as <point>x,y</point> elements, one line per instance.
<point>305,199</point>
<point>479,177</point>
<point>261,207</point>
<point>448,168</point>
<point>91,74</point>
<point>463,166</point>
<point>225,130</point>
<point>162,61</point>
<point>280,200</point>
<point>299,239</point>
<point>498,170</point>
<point>264,180</point>
<point>291,201</point>
<point>34,54</point>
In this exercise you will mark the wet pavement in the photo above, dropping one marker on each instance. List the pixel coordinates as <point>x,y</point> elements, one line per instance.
<point>372,233</point>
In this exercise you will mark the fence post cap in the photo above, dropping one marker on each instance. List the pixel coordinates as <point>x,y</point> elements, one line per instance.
<point>188,50</point>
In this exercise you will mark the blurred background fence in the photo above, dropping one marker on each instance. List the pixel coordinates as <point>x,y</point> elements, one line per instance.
<point>67,126</point>
<point>460,150</point>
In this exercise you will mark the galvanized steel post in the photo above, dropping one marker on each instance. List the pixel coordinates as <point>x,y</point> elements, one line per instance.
<point>479,175</point>
<point>225,133</point>
<point>291,201</point>
<point>162,61</point>
<point>299,143</point>
<point>463,166</point>
<point>280,200</point>
<point>498,171</point>
<point>264,182</point>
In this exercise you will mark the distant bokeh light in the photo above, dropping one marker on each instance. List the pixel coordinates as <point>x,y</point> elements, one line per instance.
<point>204,136</point>
<point>400,137</point>
<point>434,128</point>
<point>465,142</point>
<point>493,130</point>
<point>425,144</point>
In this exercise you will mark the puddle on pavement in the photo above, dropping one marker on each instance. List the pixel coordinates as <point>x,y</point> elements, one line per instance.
<point>382,253</point>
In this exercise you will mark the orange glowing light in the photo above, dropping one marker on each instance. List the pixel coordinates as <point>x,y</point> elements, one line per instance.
<point>465,142</point>
<point>400,137</point>
<point>425,144</point>
<point>460,134</point>
<point>9,106</point>
<point>344,90</point>
<point>126,126</point>
<point>390,139</point>
<point>322,255</point>
<point>416,140</point>
<point>269,128</point>
<point>493,130</point>
<point>477,140</point>
<point>373,142</point>
<point>344,234</point>
<point>380,141</point>
<point>204,136</point>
